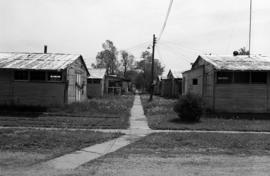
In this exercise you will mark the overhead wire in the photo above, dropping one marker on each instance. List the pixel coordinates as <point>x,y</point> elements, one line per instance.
<point>166,20</point>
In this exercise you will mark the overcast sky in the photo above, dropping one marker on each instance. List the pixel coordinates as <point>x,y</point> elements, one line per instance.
<point>81,26</point>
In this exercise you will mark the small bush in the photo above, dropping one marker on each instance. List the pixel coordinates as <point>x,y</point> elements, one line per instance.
<point>189,108</point>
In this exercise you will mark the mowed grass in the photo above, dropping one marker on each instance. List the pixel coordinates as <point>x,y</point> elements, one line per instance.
<point>185,153</point>
<point>173,144</point>
<point>160,115</point>
<point>109,112</point>
<point>21,148</point>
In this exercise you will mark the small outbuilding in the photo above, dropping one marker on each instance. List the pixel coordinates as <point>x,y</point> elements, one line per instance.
<point>175,78</point>
<point>235,84</point>
<point>95,82</point>
<point>42,79</point>
<point>117,85</point>
<point>171,84</point>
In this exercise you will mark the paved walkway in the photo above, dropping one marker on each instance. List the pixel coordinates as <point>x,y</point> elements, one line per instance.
<point>138,128</point>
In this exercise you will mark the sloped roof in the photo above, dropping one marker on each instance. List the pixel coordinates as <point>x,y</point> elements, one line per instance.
<point>37,61</point>
<point>97,73</point>
<point>176,74</point>
<point>255,62</point>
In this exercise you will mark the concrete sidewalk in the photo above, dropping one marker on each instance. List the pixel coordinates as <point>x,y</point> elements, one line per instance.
<point>138,129</point>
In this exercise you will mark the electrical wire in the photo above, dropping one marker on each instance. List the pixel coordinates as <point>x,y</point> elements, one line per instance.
<point>166,20</point>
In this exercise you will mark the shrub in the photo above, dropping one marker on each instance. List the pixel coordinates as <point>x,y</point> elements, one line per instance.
<point>189,108</point>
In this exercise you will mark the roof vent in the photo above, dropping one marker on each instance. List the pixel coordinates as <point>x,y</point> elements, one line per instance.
<point>235,53</point>
<point>45,49</point>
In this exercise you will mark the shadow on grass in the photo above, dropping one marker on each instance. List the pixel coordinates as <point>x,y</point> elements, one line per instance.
<point>180,121</point>
<point>21,111</point>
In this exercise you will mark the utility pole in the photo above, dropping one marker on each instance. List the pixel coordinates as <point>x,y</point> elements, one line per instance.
<point>152,72</point>
<point>250,20</point>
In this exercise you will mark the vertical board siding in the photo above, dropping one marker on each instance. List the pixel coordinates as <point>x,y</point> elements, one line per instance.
<point>76,68</point>
<point>241,98</point>
<point>95,90</point>
<point>29,93</point>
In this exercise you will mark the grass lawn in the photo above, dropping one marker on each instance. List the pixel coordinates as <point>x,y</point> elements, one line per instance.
<point>110,112</point>
<point>20,148</point>
<point>160,115</point>
<point>186,154</point>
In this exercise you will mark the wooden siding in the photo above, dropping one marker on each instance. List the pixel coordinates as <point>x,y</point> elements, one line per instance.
<point>241,98</point>
<point>29,93</point>
<point>188,85</point>
<point>95,90</point>
<point>75,68</point>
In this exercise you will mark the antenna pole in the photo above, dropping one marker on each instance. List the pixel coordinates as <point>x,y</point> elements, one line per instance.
<point>250,19</point>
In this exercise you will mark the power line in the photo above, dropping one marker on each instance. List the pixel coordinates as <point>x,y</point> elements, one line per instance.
<point>166,20</point>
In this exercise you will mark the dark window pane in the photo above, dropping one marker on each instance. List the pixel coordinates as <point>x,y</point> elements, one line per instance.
<point>259,77</point>
<point>37,76</point>
<point>96,81</point>
<point>195,81</point>
<point>89,81</point>
<point>21,75</point>
<point>54,76</point>
<point>224,77</point>
<point>241,77</point>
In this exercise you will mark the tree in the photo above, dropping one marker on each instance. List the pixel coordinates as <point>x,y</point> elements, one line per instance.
<point>243,51</point>
<point>127,61</point>
<point>145,66</point>
<point>107,58</point>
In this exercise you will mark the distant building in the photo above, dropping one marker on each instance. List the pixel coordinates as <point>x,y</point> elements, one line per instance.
<point>96,82</point>
<point>237,84</point>
<point>171,84</point>
<point>42,79</point>
<point>117,85</point>
<point>175,78</point>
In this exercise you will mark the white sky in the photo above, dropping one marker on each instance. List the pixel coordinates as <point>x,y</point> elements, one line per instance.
<point>81,26</point>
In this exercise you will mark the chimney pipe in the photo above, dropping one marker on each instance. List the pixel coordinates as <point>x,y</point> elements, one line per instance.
<point>45,49</point>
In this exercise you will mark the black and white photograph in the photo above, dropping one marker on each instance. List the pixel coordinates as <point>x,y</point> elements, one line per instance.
<point>134,88</point>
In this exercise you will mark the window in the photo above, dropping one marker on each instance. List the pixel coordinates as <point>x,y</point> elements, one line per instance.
<point>195,81</point>
<point>96,81</point>
<point>224,77</point>
<point>241,77</point>
<point>21,75</point>
<point>54,76</point>
<point>37,76</point>
<point>258,77</point>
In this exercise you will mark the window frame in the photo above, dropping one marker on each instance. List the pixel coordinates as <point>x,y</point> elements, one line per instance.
<point>195,82</point>
<point>14,75</point>
<point>38,80</point>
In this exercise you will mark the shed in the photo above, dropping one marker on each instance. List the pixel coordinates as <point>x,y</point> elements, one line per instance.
<point>42,79</point>
<point>175,78</point>
<point>171,84</point>
<point>95,82</point>
<point>234,84</point>
<point>117,85</point>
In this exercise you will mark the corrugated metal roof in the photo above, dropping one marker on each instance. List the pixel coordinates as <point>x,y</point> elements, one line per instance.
<point>255,62</point>
<point>97,73</point>
<point>36,61</point>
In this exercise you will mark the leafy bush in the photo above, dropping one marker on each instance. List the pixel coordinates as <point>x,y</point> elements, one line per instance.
<point>189,107</point>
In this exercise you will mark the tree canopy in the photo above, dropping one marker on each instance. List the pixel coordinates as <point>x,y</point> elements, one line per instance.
<point>107,58</point>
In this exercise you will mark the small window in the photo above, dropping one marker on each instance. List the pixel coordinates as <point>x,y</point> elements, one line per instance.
<point>89,81</point>
<point>241,77</point>
<point>195,81</point>
<point>258,77</point>
<point>54,76</point>
<point>96,81</point>
<point>21,75</point>
<point>224,77</point>
<point>37,76</point>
